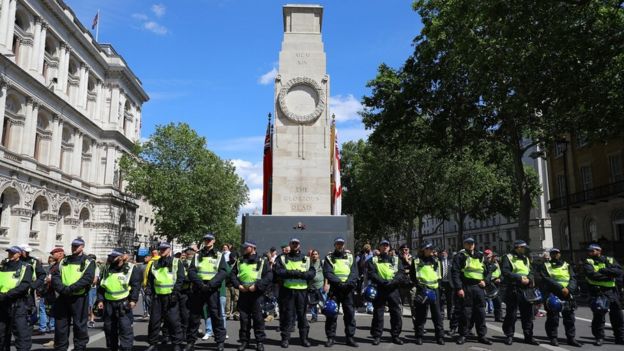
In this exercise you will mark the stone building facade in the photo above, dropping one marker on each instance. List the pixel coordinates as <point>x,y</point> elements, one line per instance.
<point>71,108</point>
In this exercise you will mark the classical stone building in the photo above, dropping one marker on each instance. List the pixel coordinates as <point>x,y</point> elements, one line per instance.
<point>71,107</point>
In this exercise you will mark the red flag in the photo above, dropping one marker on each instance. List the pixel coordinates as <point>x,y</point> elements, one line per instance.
<point>95,20</point>
<point>267,163</point>
<point>337,203</point>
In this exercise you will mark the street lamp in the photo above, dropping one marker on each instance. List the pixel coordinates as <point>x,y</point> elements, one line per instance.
<point>562,145</point>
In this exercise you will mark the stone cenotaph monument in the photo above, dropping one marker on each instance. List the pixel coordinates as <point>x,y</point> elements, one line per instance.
<point>301,196</point>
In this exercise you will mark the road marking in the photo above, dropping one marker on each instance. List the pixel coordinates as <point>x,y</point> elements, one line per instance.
<point>583,319</point>
<point>519,336</point>
<point>92,339</point>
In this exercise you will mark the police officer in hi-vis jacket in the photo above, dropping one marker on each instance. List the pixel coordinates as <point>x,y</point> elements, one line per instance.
<point>15,281</point>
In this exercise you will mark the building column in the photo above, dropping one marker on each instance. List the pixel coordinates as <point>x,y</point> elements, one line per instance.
<point>30,128</point>
<point>11,24</point>
<point>34,52</point>
<point>77,159</point>
<point>57,136</point>
<point>3,95</point>
<point>97,113</point>
<point>122,112</point>
<point>4,25</point>
<point>113,119</point>
<point>95,160</point>
<point>111,155</point>
<point>41,49</point>
<point>82,86</point>
<point>63,68</point>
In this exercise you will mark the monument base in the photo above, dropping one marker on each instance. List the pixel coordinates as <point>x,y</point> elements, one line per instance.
<point>315,232</point>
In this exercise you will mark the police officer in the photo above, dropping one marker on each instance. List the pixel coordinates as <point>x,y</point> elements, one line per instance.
<point>424,275</point>
<point>296,272</point>
<point>165,279</point>
<point>39,274</point>
<point>207,271</point>
<point>15,281</point>
<point>252,276</point>
<point>185,294</point>
<point>601,273</point>
<point>72,282</point>
<point>341,272</point>
<point>493,267</point>
<point>387,273</point>
<point>558,279</point>
<point>518,275</point>
<point>469,273</point>
<point>117,295</point>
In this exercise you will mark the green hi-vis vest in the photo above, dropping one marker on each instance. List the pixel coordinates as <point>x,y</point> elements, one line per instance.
<point>559,274</point>
<point>11,279</point>
<point>249,273</point>
<point>598,266</point>
<point>474,268</point>
<point>519,266</point>
<point>426,273</point>
<point>497,273</point>
<point>208,266</point>
<point>341,266</point>
<point>116,285</point>
<point>165,279</point>
<point>187,284</point>
<point>386,270</point>
<point>301,266</point>
<point>72,272</point>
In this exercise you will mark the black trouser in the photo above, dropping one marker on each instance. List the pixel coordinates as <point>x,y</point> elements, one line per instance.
<point>164,309</point>
<point>14,318</point>
<point>552,323</point>
<point>419,317</point>
<point>118,326</point>
<point>212,301</point>
<point>294,304</point>
<point>446,292</point>
<point>185,313</point>
<point>615,315</point>
<point>498,308</point>
<point>456,312</point>
<point>346,298</point>
<point>68,310</point>
<point>250,311</point>
<point>514,300</point>
<point>472,310</point>
<point>392,298</point>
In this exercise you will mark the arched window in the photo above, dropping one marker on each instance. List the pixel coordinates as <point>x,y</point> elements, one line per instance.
<point>13,113</point>
<point>64,213</point>
<point>39,207</point>
<point>83,219</point>
<point>10,198</point>
<point>591,230</point>
<point>67,147</point>
<point>73,80</point>
<point>43,137</point>
<point>565,243</point>
<point>127,117</point>
<point>50,58</point>
<point>20,33</point>
<point>86,158</point>
<point>91,96</point>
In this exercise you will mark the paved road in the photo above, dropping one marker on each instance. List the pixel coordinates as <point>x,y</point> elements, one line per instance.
<point>317,334</point>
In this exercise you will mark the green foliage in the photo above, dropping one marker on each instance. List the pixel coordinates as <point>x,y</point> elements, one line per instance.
<point>192,189</point>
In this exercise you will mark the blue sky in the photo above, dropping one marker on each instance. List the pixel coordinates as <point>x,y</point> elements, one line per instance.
<point>209,63</point>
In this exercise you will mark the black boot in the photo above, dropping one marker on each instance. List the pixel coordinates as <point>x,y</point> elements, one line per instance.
<point>397,340</point>
<point>573,342</point>
<point>376,341</point>
<point>485,340</point>
<point>351,342</point>
<point>242,346</point>
<point>189,347</point>
<point>440,341</point>
<point>329,342</point>
<point>220,346</point>
<point>418,341</point>
<point>509,340</point>
<point>554,342</point>
<point>284,344</point>
<point>531,341</point>
<point>598,342</point>
<point>460,340</point>
<point>177,347</point>
<point>260,347</point>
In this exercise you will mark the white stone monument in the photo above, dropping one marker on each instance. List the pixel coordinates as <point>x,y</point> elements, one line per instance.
<point>301,145</point>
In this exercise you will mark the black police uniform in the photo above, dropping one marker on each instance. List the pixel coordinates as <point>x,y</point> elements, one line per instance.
<point>551,286</point>
<point>387,293</point>
<point>37,285</point>
<point>14,308</point>
<point>514,299</point>
<point>471,308</point>
<point>419,310</point>
<point>72,309</point>
<point>206,292</point>
<point>250,303</point>
<point>496,301</point>
<point>185,300</point>
<point>117,315</point>
<point>293,302</point>
<point>165,307</point>
<point>612,271</point>
<point>343,294</point>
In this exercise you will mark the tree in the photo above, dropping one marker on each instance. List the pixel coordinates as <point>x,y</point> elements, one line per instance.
<point>517,74</point>
<point>193,190</point>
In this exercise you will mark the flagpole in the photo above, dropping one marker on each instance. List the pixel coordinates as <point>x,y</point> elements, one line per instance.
<point>97,27</point>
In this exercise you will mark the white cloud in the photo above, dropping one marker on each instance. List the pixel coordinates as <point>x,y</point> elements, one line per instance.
<point>345,108</point>
<point>140,16</point>
<point>159,10</point>
<point>352,133</point>
<point>154,27</point>
<point>254,205</point>
<point>268,77</point>
<point>250,172</point>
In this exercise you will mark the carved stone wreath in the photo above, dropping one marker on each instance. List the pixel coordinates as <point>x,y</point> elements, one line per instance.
<point>320,98</point>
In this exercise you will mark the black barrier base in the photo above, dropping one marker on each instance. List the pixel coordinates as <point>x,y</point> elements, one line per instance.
<point>315,232</point>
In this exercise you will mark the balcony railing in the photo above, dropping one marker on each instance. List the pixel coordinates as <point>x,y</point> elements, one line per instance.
<point>603,192</point>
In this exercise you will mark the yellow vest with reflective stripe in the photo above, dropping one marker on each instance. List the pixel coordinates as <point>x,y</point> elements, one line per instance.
<point>164,280</point>
<point>208,266</point>
<point>71,273</point>
<point>341,266</point>
<point>473,268</point>
<point>386,270</point>
<point>559,274</point>
<point>426,273</point>
<point>519,266</point>
<point>301,266</point>
<point>598,266</point>
<point>116,285</point>
<point>11,279</point>
<point>249,273</point>
<point>497,273</point>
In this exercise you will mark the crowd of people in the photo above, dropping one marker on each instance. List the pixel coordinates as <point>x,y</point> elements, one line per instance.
<point>180,290</point>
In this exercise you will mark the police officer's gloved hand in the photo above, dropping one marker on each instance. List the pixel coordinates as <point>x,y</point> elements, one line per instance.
<point>66,291</point>
<point>206,288</point>
<point>175,296</point>
<point>2,297</point>
<point>295,274</point>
